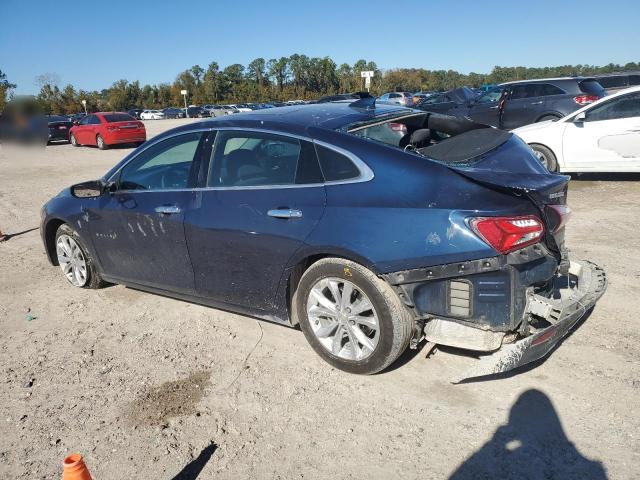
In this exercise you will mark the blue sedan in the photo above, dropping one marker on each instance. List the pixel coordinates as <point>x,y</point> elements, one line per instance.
<point>372,227</point>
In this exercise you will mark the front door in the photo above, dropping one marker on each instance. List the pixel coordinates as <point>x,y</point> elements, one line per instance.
<point>138,230</point>
<point>608,139</point>
<point>485,109</point>
<point>264,196</point>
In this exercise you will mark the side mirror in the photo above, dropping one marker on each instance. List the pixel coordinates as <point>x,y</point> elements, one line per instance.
<point>76,122</point>
<point>581,117</point>
<point>91,189</point>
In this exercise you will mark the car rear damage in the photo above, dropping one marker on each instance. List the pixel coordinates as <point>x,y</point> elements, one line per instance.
<point>514,307</point>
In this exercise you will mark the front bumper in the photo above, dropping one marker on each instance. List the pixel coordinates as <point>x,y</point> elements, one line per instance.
<point>573,296</point>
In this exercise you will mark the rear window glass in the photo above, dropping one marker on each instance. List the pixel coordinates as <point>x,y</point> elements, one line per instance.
<point>57,118</point>
<point>336,166</point>
<point>592,87</point>
<point>118,117</point>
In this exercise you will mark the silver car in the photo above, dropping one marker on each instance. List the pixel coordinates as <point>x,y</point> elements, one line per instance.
<point>400,98</point>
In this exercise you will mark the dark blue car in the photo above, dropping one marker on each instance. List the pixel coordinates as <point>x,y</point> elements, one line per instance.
<point>373,227</point>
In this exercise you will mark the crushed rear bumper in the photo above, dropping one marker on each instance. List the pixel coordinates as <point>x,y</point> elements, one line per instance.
<point>573,296</point>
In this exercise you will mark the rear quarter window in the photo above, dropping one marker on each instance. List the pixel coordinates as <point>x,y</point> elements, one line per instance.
<point>118,117</point>
<point>336,166</point>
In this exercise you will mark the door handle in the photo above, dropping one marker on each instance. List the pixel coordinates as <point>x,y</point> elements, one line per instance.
<point>284,213</point>
<point>536,103</point>
<point>168,209</point>
<point>493,108</point>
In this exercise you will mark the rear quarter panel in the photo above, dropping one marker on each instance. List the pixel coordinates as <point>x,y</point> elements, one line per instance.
<point>411,215</point>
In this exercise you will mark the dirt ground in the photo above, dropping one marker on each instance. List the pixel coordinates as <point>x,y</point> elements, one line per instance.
<point>149,387</point>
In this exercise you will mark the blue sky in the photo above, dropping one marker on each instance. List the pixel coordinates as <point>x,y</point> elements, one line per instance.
<point>92,43</point>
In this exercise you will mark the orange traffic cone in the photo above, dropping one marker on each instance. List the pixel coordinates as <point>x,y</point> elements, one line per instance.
<point>73,468</point>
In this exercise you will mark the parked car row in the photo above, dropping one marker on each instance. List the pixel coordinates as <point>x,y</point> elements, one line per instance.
<point>509,105</point>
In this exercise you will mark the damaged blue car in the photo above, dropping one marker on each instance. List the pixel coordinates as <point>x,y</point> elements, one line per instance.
<point>372,227</point>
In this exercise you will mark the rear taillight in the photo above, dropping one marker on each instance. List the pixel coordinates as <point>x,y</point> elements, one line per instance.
<point>398,127</point>
<point>562,214</point>
<point>585,99</point>
<point>506,234</point>
<point>140,125</point>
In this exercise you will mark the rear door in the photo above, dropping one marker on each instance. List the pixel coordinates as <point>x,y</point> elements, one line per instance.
<point>523,106</point>
<point>608,139</point>
<point>263,197</point>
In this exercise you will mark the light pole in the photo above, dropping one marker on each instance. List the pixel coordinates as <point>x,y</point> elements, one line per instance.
<point>186,110</point>
<point>84,104</point>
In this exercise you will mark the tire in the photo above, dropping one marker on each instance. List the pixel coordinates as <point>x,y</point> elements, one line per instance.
<point>101,143</point>
<point>546,156</point>
<point>73,141</point>
<point>66,236</point>
<point>389,339</point>
<point>548,117</point>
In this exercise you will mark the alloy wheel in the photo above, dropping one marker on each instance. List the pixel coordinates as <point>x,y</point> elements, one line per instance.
<point>343,319</point>
<point>71,260</point>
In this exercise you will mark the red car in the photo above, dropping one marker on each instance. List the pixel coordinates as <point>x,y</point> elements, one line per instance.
<point>107,128</point>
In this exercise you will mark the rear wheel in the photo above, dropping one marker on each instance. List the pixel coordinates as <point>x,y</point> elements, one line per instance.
<point>350,317</point>
<point>74,142</point>
<point>100,143</point>
<point>546,157</point>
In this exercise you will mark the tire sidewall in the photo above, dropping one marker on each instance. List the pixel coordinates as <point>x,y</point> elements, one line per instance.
<point>73,140</point>
<point>552,163</point>
<point>351,272</point>
<point>104,145</point>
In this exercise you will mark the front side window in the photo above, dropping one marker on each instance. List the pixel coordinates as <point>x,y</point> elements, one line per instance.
<point>491,96</point>
<point>626,106</point>
<point>85,120</point>
<point>251,159</point>
<point>163,166</point>
<point>94,120</point>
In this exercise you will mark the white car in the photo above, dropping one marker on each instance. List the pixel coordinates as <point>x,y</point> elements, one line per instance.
<point>601,137</point>
<point>239,109</point>
<point>152,115</point>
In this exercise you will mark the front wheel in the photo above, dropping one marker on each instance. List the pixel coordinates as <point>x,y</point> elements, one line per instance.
<point>73,140</point>
<point>545,156</point>
<point>74,260</point>
<point>350,317</point>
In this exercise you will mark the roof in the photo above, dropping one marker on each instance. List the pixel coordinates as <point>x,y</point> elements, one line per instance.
<point>331,115</point>
<point>543,80</point>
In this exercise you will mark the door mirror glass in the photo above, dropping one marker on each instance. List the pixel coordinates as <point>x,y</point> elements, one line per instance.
<point>91,189</point>
<point>581,117</point>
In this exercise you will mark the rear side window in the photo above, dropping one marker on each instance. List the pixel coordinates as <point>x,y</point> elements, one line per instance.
<point>548,89</point>
<point>634,80</point>
<point>336,166</point>
<point>118,117</point>
<point>250,159</point>
<point>592,87</point>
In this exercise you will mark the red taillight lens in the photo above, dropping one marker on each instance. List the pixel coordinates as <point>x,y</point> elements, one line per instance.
<point>140,125</point>
<point>507,234</point>
<point>398,127</point>
<point>585,99</point>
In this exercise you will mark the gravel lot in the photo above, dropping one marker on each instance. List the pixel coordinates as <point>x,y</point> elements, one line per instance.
<point>149,387</point>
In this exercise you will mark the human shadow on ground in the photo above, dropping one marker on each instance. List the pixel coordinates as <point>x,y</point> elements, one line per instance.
<point>193,468</point>
<point>532,446</point>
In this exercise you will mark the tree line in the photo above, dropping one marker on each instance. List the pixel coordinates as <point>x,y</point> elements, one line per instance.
<point>285,78</point>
